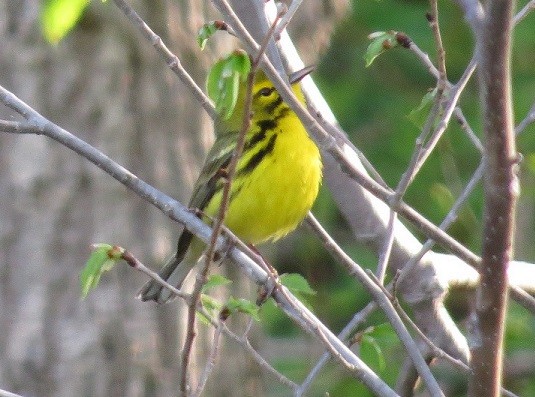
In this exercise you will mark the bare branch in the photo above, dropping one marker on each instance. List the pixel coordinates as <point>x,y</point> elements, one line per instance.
<point>171,59</point>
<point>350,327</point>
<point>285,20</point>
<point>530,118</point>
<point>135,263</point>
<point>383,302</point>
<point>493,38</point>
<point>530,6</point>
<point>214,351</point>
<point>384,254</point>
<point>244,342</point>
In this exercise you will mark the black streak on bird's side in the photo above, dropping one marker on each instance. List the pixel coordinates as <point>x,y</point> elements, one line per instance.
<point>259,156</point>
<point>264,126</point>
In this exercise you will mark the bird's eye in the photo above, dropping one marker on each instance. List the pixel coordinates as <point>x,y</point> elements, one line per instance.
<point>266,91</point>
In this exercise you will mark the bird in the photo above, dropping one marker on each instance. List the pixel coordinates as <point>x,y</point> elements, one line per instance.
<point>276,182</point>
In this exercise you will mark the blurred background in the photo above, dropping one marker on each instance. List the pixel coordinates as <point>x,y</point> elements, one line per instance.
<point>106,84</point>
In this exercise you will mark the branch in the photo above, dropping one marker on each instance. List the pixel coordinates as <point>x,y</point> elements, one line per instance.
<point>214,352</point>
<point>4,393</point>
<point>382,301</point>
<point>501,190</point>
<point>171,59</point>
<point>530,6</point>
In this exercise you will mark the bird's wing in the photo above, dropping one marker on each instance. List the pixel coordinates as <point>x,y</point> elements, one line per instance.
<point>213,171</point>
<point>209,182</point>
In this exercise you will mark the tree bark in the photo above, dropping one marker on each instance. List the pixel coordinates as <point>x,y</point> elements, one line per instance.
<point>494,36</point>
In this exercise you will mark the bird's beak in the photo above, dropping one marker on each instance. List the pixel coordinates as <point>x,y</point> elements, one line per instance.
<point>296,77</point>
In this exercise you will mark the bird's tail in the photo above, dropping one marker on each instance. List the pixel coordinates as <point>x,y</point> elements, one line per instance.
<point>174,272</point>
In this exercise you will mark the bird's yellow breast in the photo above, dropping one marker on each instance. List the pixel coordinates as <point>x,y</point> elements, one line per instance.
<point>276,183</point>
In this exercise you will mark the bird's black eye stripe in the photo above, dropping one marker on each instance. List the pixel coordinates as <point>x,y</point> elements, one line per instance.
<point>266,91</point>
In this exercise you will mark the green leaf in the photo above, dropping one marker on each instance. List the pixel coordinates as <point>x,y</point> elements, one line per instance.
<point>102,259</point>
<point>223,83</point>
<point>370,349</point>
<point>418,116</point>
<point>380,42</point>
<point>297,284</point>
<point>206,31</point>
<point>442,195</point>
<point>211,305</point>
<point>58,17</point>
<point>529,161</point>
<point>215,280</point>
<point>239,305</point>
<point>371,352</point>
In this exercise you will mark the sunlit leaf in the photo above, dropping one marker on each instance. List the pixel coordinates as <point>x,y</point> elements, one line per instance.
<point>380,42</point>
<point>297,284</point>
<point>239,305</point>
<point>102,259</point>
<point>418,116</point>
<point>206,31</point>
<point>224,79</point>
<point>58,17</point>
<point>215,280</point>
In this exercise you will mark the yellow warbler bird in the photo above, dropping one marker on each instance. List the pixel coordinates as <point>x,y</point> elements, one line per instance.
<point>276,182</point>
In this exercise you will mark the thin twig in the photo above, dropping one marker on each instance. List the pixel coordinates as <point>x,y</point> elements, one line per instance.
<point>424,58</point>
<point>240,143</point>
<point>530,118</point>
<point>17,127</point>
<point>530,6</point>
<point>243,341</point>
<point>384,254</point>
<point>285,20</point>
<point>450,106</point>
<point>350,327</point>
<point>180,213</point>
<point>465,126</point>
<point>446,222</point>
<point>4,393</point>
<point>307,321</point>
<point>328,143</point>
<point>219,327</point>
<point>420,156</point>
<point>383,302</point>
<point>422,150</point>
<point>173,62</point>
<point>441,54</point>
<point>212,357</point>
<point>216,230</point>
<point>135,263</point>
